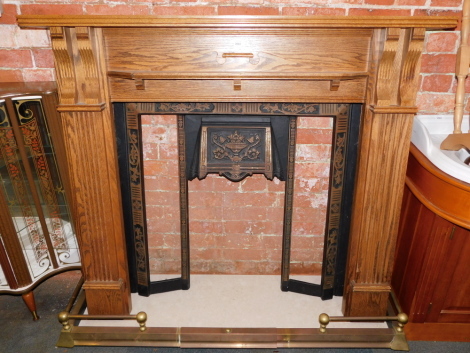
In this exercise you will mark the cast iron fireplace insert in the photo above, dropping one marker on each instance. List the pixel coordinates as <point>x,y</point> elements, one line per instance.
<point>346,118</point>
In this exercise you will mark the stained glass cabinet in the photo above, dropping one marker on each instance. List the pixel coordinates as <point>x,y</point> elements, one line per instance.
<point>37,238</point>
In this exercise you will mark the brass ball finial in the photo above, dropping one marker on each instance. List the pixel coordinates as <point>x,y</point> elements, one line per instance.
<point>402,319</point>
<point>64,319</point>
<point>324,320</point>
<point>141,318</point>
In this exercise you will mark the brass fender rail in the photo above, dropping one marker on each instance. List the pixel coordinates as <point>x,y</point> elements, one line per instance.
<point>325,319</point>
<point>65,316</point>
<point>205,337</point>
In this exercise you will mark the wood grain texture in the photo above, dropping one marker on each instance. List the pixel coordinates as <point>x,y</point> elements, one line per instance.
<point>89,137</point>
<point>428,22</point>
<point>411,268</point>
<point>200,50</point>
<point>430,276</point>
<point>290,51</point>
<point>376,213</point>
<point>451,302</point>
<point>7,268</point>
<point>107,297</point>
<point>433,187</point>
<point>390,67</point>
<point>274,62</point>
<point>437,332</point>
<point>409,80</point>
<point>385,137</point>
<point>351,91</point>
<point>64,66</point>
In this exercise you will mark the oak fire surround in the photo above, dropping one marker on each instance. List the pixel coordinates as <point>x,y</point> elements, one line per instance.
<point>370,60</point>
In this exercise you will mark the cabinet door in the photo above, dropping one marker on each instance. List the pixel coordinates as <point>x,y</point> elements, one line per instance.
<point>451,298</point>
<point>431,277</point>
<point>423,240</point>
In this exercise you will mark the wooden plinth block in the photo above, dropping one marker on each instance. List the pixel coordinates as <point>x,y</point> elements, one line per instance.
<point>364,300</point>
<point>107,298</point>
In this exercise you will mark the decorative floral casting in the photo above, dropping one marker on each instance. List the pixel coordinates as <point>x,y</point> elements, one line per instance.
<point>236,147</point>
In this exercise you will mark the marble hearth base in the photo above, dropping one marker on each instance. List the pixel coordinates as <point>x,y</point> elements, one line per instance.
<point>235,301</point>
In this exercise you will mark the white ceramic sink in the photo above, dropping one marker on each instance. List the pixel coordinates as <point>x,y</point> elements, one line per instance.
<point>428,133</point>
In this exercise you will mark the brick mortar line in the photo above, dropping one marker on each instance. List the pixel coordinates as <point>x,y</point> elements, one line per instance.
<point>434,53</point>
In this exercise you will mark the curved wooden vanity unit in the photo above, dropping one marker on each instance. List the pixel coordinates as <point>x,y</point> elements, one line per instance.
<point>430,277</point>
<point>369,60</point>
<point>442,194</point>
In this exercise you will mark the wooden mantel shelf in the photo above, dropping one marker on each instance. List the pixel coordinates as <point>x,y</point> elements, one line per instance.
<point>140,77</point>
<point>278,22</point>
<point>154,75</point>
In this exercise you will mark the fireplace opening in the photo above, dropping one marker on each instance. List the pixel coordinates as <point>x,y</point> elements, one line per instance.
<point>235,227</point>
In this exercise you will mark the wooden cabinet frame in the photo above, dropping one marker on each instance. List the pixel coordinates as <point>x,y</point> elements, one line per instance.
<point>379,69</point>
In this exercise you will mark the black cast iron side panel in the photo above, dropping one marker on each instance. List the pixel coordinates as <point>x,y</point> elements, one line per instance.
<point>341,190</point>
<point>184,204</point>
<point>355,113</point>
<point>130,157</point>
<point>166,285</point>
<point>124,176</point>
<point>302,287</point>
<point>335,193</point>
<point>288,204</point>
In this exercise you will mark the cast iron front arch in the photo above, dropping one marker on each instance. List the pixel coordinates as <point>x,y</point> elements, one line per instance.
<point>341,187</point>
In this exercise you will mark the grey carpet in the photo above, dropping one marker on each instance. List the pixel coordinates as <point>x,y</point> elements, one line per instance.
<point>19,333</point>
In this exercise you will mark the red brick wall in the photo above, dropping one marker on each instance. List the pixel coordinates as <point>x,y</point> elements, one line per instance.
<point>26,55</point>
<point>235,227</point>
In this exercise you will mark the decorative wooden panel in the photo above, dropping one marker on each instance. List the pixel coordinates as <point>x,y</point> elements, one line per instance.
<point>218,90</point>
<point>219,51</point>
